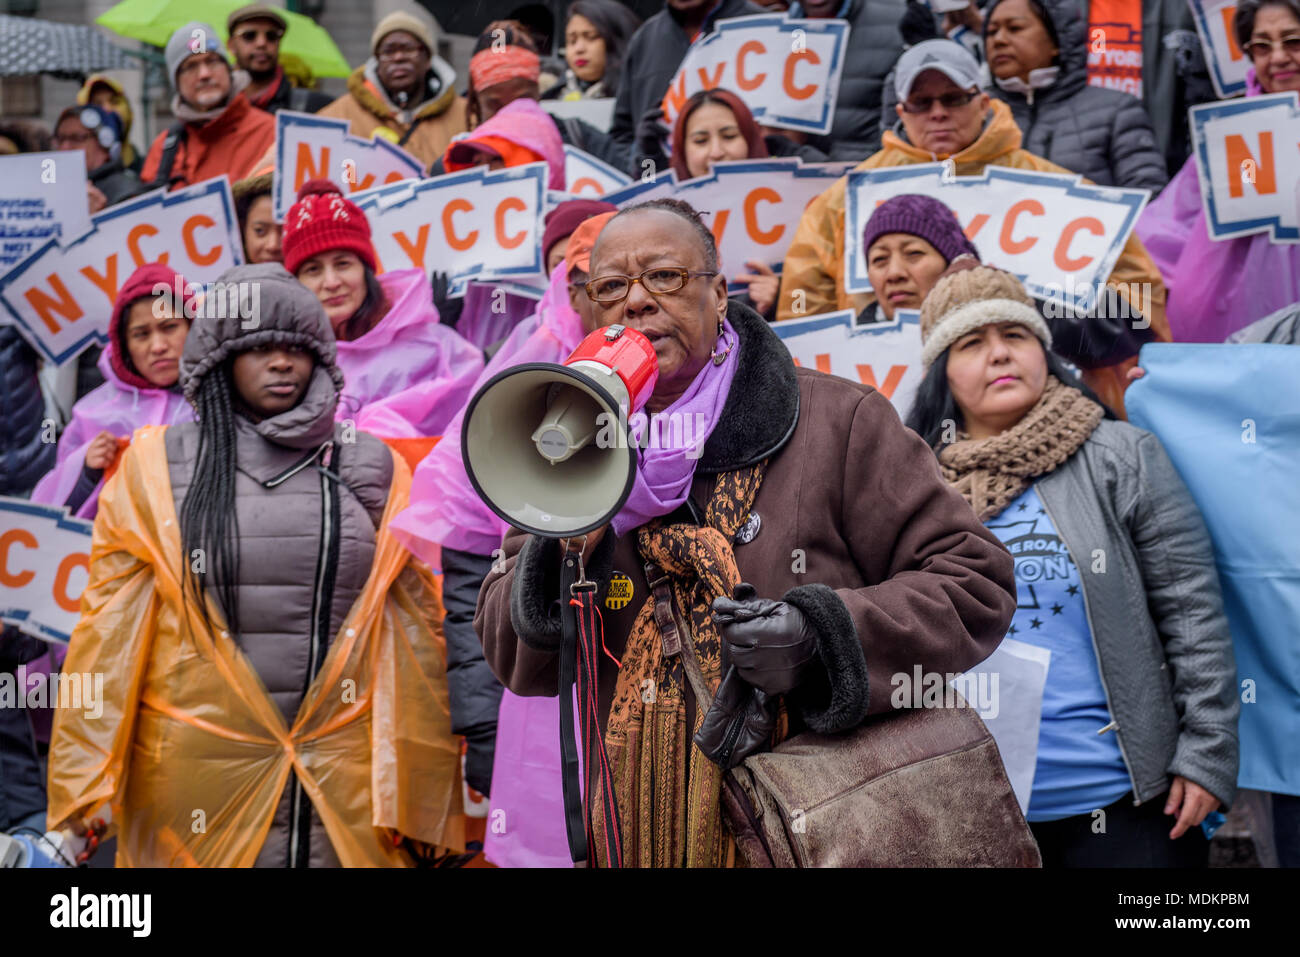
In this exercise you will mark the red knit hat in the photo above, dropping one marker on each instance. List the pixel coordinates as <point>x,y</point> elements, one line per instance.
<point>140,285</point>
<point>323,220</point>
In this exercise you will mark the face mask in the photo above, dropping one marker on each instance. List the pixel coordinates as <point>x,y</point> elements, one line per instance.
<point>1039,79</point>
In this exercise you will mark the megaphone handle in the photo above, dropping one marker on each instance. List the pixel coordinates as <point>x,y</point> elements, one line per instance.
<point>574,818</point>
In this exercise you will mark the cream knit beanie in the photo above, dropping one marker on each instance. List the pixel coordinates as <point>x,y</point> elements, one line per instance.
<point>969,295</point>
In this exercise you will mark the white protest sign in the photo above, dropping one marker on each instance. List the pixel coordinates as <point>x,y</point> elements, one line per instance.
<point>320,147</point>
<point>587,177</point>
<point>1060,236</point>
<point>753,207</point>
<point>44,568</point>
<point>883,355</point>
<point>1246,153</point>
<point>42,197</point>
<point>786,71</point>
<point>473,224</point>
<point>62,295</point>
<point>1227,61</point>
<point>598,111</point>
<point>1007,688</point>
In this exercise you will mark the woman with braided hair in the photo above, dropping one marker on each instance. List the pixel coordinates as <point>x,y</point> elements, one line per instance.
<point>805,533</point>
<point>1115,577</point>
<point>275,688</point>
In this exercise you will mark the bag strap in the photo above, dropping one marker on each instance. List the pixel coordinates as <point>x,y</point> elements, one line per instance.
<point>171,146</point>
<point>676,639</point>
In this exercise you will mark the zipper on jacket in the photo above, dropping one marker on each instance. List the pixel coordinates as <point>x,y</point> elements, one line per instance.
<point>1101,672</point>
<point>327,556</point>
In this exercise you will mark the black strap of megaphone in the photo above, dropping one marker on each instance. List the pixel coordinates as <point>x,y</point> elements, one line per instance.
<point>574,820</point>
<point>581,640</point>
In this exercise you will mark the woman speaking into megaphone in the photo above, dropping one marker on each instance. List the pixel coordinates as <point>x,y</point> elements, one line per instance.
<point>803,535</point>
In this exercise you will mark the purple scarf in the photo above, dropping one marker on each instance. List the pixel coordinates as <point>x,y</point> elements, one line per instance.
<point>676,437</point>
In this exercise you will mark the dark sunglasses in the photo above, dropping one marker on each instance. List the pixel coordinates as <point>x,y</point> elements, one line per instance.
<point>1256,49</point>
<point>250,36</point>
<point>949,101</point>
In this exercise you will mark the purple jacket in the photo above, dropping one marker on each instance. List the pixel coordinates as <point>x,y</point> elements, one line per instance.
<point>114,407</point>
<point>1215,287</point>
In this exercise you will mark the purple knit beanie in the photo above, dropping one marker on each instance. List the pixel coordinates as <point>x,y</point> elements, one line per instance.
<point>922,216</point>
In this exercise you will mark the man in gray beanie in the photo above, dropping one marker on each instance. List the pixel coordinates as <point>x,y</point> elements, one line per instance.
<point>218,133</point>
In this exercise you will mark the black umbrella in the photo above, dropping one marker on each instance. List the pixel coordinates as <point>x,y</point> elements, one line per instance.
<point>42,46</point>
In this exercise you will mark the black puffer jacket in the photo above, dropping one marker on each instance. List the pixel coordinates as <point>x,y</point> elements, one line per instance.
<point>24,458</point>
<point>875,44</point>
<point>1104,134</point>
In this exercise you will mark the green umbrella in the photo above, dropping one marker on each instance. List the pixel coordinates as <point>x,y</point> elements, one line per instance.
<point>154,21</point>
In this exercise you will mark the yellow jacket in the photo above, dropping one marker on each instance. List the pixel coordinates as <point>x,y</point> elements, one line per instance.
<point>190,751</point>
<point>815,261</point>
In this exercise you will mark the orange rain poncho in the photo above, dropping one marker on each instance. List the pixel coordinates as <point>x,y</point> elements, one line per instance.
<point>190,751</point>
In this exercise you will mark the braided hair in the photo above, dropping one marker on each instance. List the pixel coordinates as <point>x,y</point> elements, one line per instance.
<point>209,523</point>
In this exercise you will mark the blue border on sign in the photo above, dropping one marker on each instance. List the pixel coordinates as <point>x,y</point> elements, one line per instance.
<point>1222,85</point>
<point>21,617</point>
<point>159,198</point>
<point>1219,227</point>
<point>285,118</point>
<point>1133,200</point>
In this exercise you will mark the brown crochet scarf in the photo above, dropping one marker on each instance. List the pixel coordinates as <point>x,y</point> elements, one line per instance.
<point>671,815</point>
<point>991,472</point>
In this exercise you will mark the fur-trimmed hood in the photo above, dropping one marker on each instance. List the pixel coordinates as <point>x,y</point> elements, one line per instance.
<point>364,85</point>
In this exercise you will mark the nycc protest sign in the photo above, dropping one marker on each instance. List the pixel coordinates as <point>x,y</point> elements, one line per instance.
<point>752,206</point>
<point>61,296</point>
<point>320,147</point>
<point>1246,152</point>
<point>42,197</point>
<point>1226,415</point>
<point>1227,61</point>
<point>786,71</point>
<point>1059,235</point>
<point>883,355</point>
<point>473,224</point>
<point>587,177</point>
<point>44,568</point>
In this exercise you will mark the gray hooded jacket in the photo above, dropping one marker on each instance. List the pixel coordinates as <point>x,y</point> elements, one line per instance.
<point>309,496</point>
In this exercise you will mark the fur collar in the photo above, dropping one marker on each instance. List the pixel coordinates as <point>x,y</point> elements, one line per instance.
<point>762,407</point>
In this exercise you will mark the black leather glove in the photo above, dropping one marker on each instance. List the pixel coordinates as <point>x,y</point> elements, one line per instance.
<point>739,723</point>
<point>770,643</point>
<point>448,309</point>
<point>652,137</point>
<point>480,748</point>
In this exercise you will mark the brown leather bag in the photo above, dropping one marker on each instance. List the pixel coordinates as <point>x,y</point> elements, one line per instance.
<point>917,788</point>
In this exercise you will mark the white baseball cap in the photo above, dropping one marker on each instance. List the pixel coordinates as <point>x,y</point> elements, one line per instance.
<point>947,56</point>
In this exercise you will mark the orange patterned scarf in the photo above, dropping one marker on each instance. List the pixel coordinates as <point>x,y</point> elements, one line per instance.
<point>668,792</point>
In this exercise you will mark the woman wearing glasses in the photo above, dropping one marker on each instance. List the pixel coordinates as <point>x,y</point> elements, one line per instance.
<point>1219,286</point>
<point>942,115</point>
<point>817,579</point>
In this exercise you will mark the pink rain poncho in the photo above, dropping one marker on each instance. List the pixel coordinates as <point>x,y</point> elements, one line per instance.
<point>445,510</point>
<point>114,407</point>
<point>490,314</point>
<point>410,374</point>
<point>1215,286</point>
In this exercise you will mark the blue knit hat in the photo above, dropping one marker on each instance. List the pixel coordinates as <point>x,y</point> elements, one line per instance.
<point>922,216</point>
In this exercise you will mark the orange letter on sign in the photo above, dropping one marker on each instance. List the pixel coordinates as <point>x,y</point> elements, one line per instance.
<point>1062,255</point>
<point>505,206</point>
<point>22,537</point>
<point>675,97</point>
<point>1010,245</point>
<point>895,376</point>
<point>743,81</point>
<point>976,225</point>
<point>107,283</point>
<point>720,225</point>
<point>454,241</point>
<point>133,244</point>
<point>710,82</point>
<point>415,250</point>
<point>199,221</point>
<point>307,169</point>
<point>1239,154</point>
<point>61,596</point>
<point>799,92</point>
<point>65,305</point>
<point>763,194</point>
<point>587,183</point>
<point>1228,14</point>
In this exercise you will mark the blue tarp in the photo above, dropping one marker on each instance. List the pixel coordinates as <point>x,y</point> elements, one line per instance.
<point>1229,417</point>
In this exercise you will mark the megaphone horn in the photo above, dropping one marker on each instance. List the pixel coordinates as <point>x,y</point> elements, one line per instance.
<point>530,435</point>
